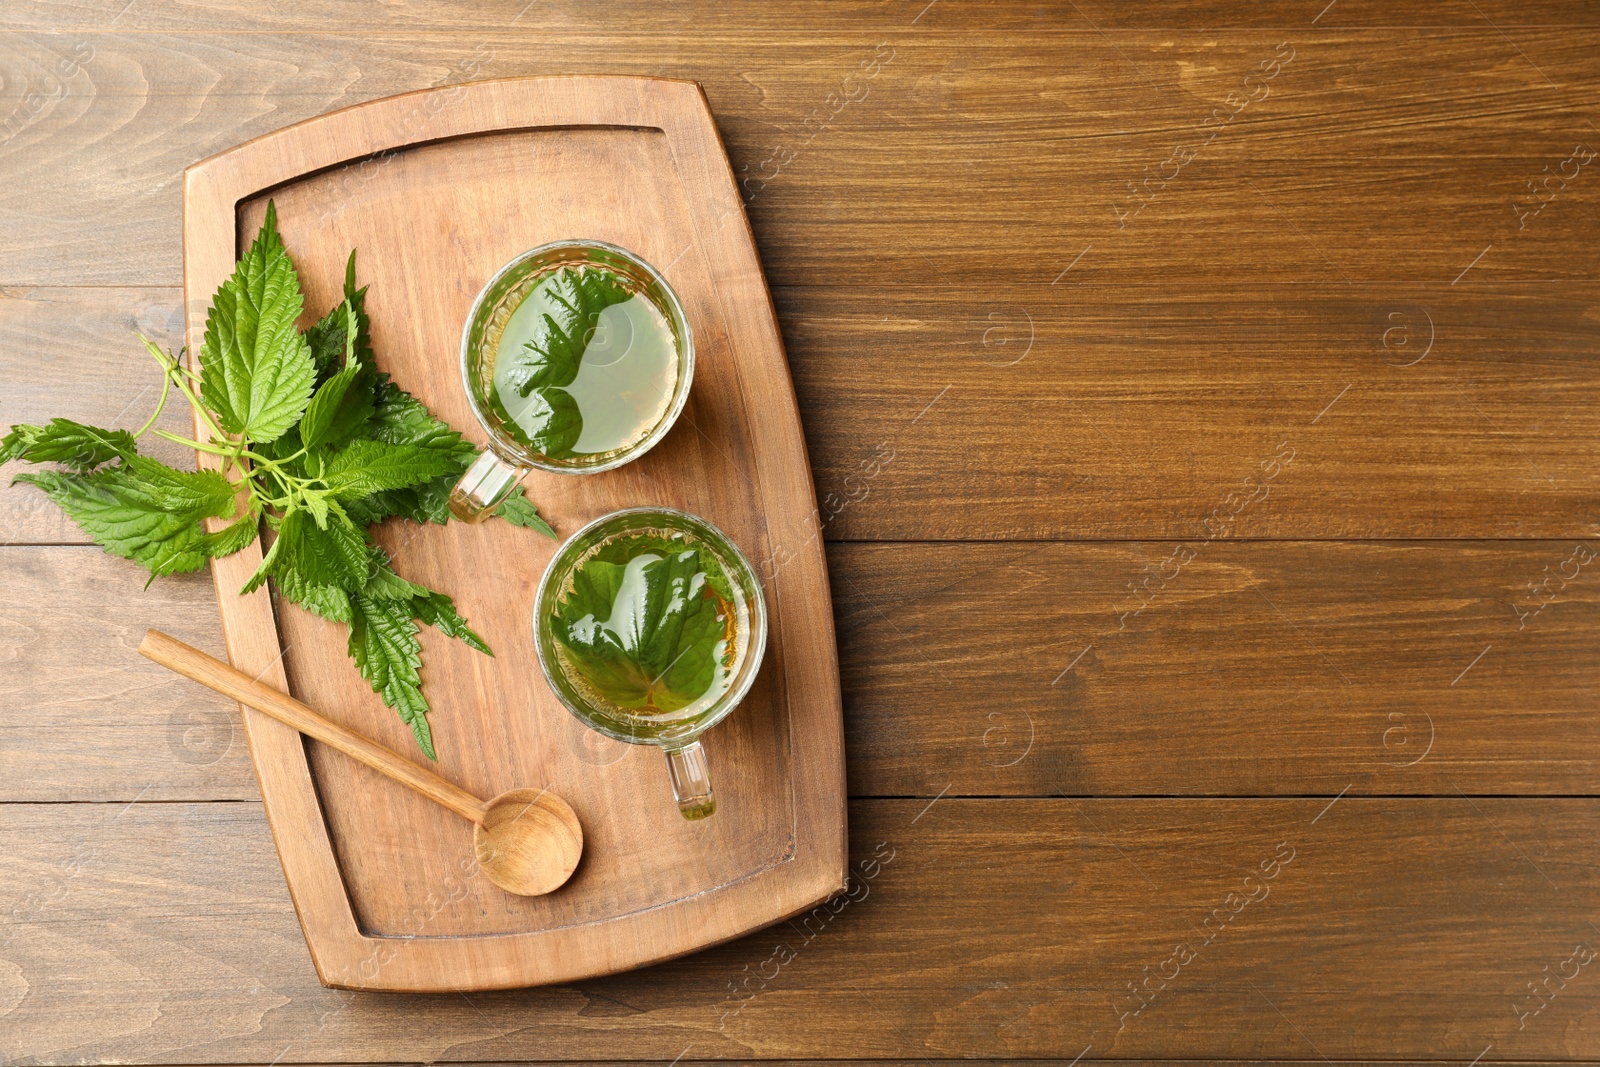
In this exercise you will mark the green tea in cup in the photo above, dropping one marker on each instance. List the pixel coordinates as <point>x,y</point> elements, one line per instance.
<point>577,358</point>
<point>650,626</point>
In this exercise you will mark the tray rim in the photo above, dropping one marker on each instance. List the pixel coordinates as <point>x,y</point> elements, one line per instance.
<point>815,866</point>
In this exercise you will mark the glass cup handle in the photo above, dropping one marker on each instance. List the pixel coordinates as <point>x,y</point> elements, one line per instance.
<point>691,780</point>
<point>484,487</point>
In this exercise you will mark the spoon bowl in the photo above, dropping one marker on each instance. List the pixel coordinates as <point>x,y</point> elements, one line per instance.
<point>529,841</point>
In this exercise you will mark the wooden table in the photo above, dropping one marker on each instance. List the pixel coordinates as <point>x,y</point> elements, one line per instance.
<point>1203,405</point>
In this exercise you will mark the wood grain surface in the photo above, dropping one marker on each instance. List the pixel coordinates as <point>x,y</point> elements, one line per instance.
<point>1038,352</point>
<point>993,928</point>
<point>1402,176</point>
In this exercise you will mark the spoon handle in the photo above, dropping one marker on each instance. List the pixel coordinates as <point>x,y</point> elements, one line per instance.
<point>214,674</point>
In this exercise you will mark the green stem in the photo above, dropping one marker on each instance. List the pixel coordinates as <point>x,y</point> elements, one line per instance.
<point>185,371</point>
<point>274,464</point>
<point>281,503</point>
<point>161,405</point>
<point>286,483</point>
<point>215,450</point>
<point>170,364</point>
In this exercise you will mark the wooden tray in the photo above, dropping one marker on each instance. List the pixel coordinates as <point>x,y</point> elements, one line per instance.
<point>437,190</point>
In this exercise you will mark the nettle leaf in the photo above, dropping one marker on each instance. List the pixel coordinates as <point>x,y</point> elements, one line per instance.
<point>328,601</point>
<point>336,399</point>
<point>550,421</point>
<point>155,522</point>
<point>385,584</point>
<point>433,500</point>
<point>435,609</point>
<point>553,356</point>
<point>317,503</point>
<point>256,371</point>
<point>518,510</point>
<point>343,339</point>
<point>316,566</point>
<point>384,644</point>
<point>326,341</point>
<point>646,629</point>
<point>375,507</point>
<point>335,555</point>
<point>401,419</point>
<point>439,611</point>
<point>69,443</point>
<point>625,548</point>
<point>327,336</point>
<point>269,562</point>
<point>203,494</point>
<point>15,444</point>
<point>233,538</point>
<point>367,466</point>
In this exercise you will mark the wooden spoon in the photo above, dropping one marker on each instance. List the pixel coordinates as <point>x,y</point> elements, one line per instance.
<point>527,840</point>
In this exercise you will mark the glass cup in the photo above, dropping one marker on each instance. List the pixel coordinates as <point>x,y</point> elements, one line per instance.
<point>677,732</point>
<point>496,473</point>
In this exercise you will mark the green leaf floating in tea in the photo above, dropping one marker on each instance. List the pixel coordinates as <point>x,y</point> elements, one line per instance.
<point>550,360</point>
<point>649,623</point>
<point>553,357</point>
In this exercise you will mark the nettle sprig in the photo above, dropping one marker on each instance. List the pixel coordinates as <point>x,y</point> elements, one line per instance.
<point>311,439</point>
